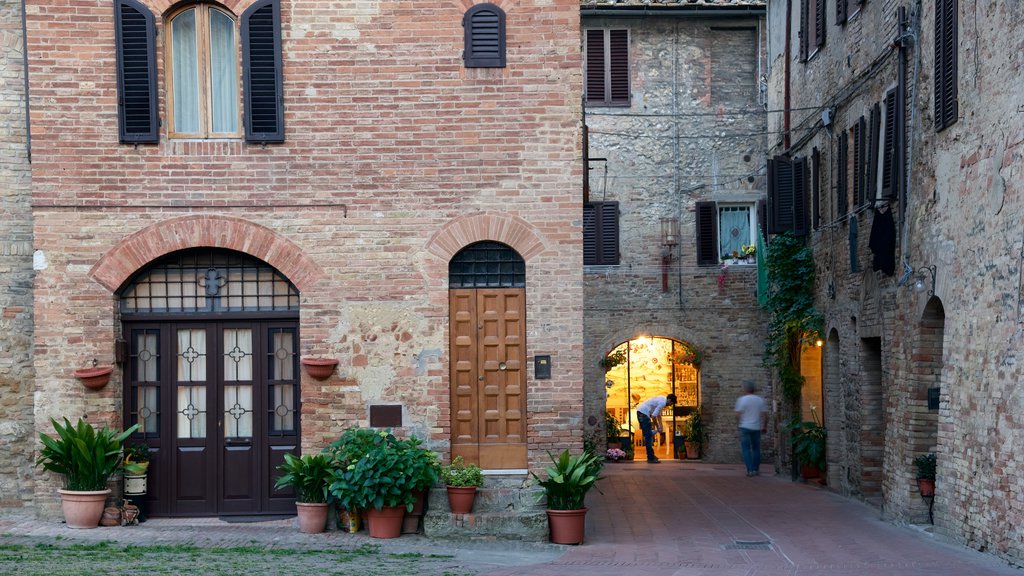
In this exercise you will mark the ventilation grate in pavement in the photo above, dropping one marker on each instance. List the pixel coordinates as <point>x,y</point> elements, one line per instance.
<point>748,545</point>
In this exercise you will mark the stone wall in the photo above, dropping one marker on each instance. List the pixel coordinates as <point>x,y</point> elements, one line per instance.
<point>395,157</point>
<point>694,131</point>
<point>16,374</point>
<point>960,331</point>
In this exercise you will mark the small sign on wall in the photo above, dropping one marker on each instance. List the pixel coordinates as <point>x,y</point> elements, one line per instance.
<point>542,367</point>
<point>933,398</point>
<point>385,416</point>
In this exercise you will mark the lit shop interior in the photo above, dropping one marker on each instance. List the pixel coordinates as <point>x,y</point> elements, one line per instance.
<point>646,367</point>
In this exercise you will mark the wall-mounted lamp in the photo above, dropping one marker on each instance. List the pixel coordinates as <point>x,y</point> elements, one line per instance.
<point>669,239</point>
<point>819,342</point>
<point>922,279</point>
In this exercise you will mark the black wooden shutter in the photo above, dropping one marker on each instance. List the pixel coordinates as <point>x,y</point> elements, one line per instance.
<point>484,26</point>
<point>595,66</point>
<point>815,188</point>
<point>707,234</point>
<point>871,190</point>
<point>889,161</point>
<point>600,233</point>
<point>841,12</point>
<point>261,62</point>
<point>819,23</point>
<point>762,220</point>
<point>618,69</point>
<point>858,162</point>
<point>135,35</point>
<point>799,197</point>
<point>946,109</point>
<point>805,17</point>
<point>842,173</point>
<point>780,195</point>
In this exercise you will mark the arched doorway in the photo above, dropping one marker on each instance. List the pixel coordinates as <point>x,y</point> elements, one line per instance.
<point>487,326</point>
<point>211,377</point>
<point>644,367</point>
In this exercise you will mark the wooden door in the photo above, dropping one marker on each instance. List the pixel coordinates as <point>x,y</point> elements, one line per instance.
<point>488,376</point>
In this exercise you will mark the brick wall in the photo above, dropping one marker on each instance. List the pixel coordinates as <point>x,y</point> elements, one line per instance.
<point>16,375</point>
<point>389,142</point>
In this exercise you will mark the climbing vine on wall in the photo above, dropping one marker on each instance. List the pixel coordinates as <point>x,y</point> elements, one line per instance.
<point>794,321</point>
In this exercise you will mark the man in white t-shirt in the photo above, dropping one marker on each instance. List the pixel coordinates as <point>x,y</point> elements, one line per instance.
<point>648,414</point>
<point>751,410</point>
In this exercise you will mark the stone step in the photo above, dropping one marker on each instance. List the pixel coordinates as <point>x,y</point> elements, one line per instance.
<point>506,507</point>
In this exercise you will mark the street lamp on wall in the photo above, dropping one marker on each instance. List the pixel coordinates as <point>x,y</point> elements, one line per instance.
<point>919,283</point>
<point>669,239</point>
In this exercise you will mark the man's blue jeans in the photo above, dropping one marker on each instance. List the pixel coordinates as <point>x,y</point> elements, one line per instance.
<point>750,444</point>
<point>648,431</point>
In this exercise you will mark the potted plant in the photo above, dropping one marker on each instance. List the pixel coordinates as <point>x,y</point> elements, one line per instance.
<point>309,476</point>
<point>566,487</point>
<point>614,359</point>
<point>86,458</point>
<point>381,482</point>
<point>808,440</point>
<point>462,481</point>
<point>135,469</point>
<point>615,454</point>
<point>352,445</point>
<point>694,434</point>
<point>425,468</point>
<point>925,464</point>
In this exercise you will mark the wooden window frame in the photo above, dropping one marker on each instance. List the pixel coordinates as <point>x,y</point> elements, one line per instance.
<point>752,218</point>
<point>601,256</point>
<point>608,62</point>
<point>947,52</point>
<point>205,90</point>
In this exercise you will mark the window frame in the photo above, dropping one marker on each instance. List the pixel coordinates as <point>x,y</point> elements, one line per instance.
<point>947,54</point>
<point>470,57</point>
<point>600,235</point>
<point>609,68</point>
<point>205,75</point>
<point>752,222</point>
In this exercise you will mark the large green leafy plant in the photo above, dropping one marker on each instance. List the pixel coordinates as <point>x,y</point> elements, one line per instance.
<point>569,479</point>
<point>309,475</point>
<point>385,475</point>
<point>86,457</point>
<point>809,439</point>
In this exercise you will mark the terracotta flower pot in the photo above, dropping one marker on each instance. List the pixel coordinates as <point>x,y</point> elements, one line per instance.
<point>567,526</point>
<point>411,523</point>
<point>926,487</point>
<point>386,522</point>
<point>83,509</point>
<point>312,517</point>
<point>94,378</point>
<point>319,368</point>
<point>460,499</point>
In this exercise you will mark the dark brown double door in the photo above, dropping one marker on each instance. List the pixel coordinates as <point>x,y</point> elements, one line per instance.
<point>217,402</point>
<point>488,376</point>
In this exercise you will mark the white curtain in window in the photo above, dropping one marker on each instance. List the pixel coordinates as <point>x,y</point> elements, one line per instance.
<point>146,359</point>
<point>185,62</point>
<point>223,73</point>
<point>283,356</point>
<point>284,408</point>
<point>237,411</point>
<point>237,355</point>
<point>192,355</point>
<point>146,408</point>
<point>191,412</point>
<point>733,229</point>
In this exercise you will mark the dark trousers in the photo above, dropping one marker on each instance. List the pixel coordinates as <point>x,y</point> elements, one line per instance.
<point>648,430</point>
<point>750,444</point>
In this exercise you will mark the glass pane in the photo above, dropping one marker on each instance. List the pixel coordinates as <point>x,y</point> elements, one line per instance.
<point>223,73</point>
<point>185,64</point>
<point>147,410</point>
<point>282,359</point>
<point>283,402</point>
<point>237,411</point>
<point>237,355</point>
<point>733,229</point>
<point>191,412</point>
<point>147,357</point>
<point>191,355</point>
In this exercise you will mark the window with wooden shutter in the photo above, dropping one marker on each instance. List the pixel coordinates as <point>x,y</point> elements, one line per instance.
<point>871,177</point>
<point>600,233</point>
<point>819,23</point>
<point>805,31</point>
<point>707,234</point>
<point>607,67</point>
<point>841,12</point>
<point>815,188</point>
<point>484,26</point>
<point>842,173</point>
<point>860,139</point>
<point>787,196</point>
<point>890,162</point>
<point>261,59</point>
<point>135,36</point>
<point>946,108</point>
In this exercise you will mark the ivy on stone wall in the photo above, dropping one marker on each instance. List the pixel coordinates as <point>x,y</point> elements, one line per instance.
<point>794,320</point>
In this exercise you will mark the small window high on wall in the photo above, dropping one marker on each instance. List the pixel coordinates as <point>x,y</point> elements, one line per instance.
<point>484,37</point>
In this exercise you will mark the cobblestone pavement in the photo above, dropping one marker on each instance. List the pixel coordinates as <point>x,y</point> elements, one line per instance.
<point>674,518</point>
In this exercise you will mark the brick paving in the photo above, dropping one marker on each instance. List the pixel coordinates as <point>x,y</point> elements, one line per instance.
<point>674,518</point>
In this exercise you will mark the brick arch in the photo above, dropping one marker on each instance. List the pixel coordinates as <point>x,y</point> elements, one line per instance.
<point>465,230</point>
<point>162,7</point>
<point>136,251</point>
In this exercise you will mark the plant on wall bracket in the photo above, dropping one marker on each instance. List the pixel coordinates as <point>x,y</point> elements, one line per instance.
<point>686,353</point>
<point>613,359</point>
<point>793,319</point>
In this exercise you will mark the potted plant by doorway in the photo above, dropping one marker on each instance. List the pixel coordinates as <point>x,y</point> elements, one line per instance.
<point>309,475</point>
<point>566,487</point>
<point>86,458</point>
<point>925,464</point>
<point>462,481</point>
<point>695,435</point>
<point>808,439</point>
<point>135,469</point>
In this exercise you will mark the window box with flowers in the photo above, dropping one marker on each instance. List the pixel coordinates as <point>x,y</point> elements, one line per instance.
<point>684,353</point>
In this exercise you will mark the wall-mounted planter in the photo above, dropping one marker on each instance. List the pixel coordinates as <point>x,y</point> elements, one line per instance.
<point>94,378</point>
<point>319,368</point>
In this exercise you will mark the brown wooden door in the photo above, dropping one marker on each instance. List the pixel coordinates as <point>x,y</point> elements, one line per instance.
<point>488,376</point>
<point>218,407</point>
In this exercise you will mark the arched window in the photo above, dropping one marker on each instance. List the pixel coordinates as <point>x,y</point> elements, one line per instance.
<point>487,265</point>
<point>202,64</point>
<point>484,36</point>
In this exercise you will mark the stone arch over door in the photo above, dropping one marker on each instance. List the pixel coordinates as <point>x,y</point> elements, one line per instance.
<point>133,253</point>
<point>925,380</point>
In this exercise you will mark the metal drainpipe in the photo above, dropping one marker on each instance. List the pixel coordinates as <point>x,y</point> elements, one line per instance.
<point>785,79</point>
<point>24,56</point>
